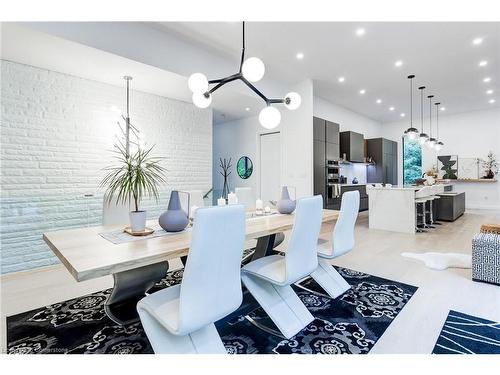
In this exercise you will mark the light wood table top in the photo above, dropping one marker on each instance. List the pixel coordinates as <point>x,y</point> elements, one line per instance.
<point>87,255</point>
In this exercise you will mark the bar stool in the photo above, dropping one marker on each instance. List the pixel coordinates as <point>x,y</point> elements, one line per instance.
<point>422,196</point>
<point>436,189</point>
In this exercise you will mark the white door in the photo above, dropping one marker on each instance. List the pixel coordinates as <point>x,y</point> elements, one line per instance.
<point>270,167</point>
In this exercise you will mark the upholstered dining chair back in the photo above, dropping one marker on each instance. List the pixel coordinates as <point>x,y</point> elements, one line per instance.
<point>211,285</point>
<point>301,257</point>
<point>115,214</point>
<point>343,233</point>
<point>245,197</point>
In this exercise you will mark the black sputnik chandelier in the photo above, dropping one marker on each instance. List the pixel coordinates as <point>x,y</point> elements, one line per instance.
<point>251,70</point>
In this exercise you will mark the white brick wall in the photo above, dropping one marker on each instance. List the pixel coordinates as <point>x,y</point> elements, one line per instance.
<point>56,133</point>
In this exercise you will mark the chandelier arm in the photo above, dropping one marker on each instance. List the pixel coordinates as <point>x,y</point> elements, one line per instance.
<point>276,101</point>
<point>255,90</point>
<point>223,81</point>
<point>243,49</point>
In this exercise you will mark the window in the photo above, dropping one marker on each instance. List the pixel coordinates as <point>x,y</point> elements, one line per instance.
<point>412,161</point>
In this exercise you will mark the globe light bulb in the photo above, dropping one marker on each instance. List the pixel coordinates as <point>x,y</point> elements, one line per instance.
<point>412,134</point>
<point>201,101</point>
<point>292,101</point>
<point>431,143</point>
<point>269,117</point>
<point>439,145</point>
<point>198,83</point>
<point>423,138</point>
<point>253,69</point>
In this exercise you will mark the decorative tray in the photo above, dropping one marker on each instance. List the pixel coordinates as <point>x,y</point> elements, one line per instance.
<point>147,231</point>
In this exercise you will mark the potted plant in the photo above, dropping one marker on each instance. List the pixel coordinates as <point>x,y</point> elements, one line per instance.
<point>134,176</point>
<point>490,165</point>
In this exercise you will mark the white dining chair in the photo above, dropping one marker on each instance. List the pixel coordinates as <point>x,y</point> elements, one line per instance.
<point>269,278</point>
<point>115,214</point>
<point>180,318</point>
<point>245,197</point>
<point>342,241</point>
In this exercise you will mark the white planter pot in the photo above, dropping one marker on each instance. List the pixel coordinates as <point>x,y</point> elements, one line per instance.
<point>138,221</point>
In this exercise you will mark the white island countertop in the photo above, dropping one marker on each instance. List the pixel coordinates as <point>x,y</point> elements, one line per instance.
<point>392,208</point>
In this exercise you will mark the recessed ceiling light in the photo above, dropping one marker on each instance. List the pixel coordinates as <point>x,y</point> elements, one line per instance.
<point>477,41</point>
<point>391,108</point>
<point>379,101</point>
<point>398,63</point>
<point>487,79</point>
<point>402,115</point>
<point>489,92</point>
<point>483,63</point>
<point>491,101</point>
<point>247,109</point>
<point>299,56</point>
<point>362,91</point>
<point>341,79</point>
<point>360,31</point>
<point>442,109</point>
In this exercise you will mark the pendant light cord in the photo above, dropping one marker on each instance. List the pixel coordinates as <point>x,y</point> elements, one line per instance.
<point>421,108</point>
<point>243,48</point>
<point>430,116</point>
<point>411,102</point>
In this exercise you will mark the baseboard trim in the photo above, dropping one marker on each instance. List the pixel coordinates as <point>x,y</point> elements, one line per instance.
<point>481,207</point>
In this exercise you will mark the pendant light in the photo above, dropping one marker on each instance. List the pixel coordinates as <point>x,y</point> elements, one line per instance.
<point>432,141</point>
<point>411,132</point>
<point>423,138</point>
<point>251,70</point>
<point>439,145</point>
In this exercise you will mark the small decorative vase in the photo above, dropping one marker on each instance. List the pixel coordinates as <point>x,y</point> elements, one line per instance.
<point>285,204</point>
<point>175,218</point>
<point>490,174</point>
<point>138,221</point>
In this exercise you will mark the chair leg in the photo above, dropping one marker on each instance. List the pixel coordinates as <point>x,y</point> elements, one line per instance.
<point>281,303</point>
<point>329,279</point>
<point>206,340</point>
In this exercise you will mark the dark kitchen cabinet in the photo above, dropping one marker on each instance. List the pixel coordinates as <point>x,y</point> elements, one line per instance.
<point>352,144</point>
<point>363,197</point>
<point>319,130</point>
<point>319,168</point>
<point>325,157</point>
<point>332,132</point>
<point>384,154</point>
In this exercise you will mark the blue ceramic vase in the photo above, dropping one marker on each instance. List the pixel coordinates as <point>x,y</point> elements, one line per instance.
<point>285,204</point>
<point>175,218</point>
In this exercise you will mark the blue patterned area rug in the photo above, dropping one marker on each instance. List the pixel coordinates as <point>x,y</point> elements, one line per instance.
<point>466,334</point>
<point>349,324</point>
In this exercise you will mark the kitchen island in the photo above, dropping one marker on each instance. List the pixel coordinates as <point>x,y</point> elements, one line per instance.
<point>392,208</point>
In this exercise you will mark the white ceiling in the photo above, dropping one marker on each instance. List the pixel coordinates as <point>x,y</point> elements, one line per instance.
<point>26,46</point>
<point>441,55</point>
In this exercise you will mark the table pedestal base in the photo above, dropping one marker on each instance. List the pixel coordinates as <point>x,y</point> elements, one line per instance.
<point>129,288</point>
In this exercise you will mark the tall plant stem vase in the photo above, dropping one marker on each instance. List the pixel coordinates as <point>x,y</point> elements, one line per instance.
<point>175,219</point>
<point>285,204</point>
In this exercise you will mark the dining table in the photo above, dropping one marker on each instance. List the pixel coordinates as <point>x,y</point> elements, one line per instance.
<point>137,265</point>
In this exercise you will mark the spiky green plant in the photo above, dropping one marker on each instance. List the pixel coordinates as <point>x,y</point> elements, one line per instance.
<point>135,176</point>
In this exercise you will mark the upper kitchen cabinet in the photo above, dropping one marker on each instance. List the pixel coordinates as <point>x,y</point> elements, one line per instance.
<point>352,144</point>
<point>384,153</point>
<point>332,132</point>
<point>319,129</point>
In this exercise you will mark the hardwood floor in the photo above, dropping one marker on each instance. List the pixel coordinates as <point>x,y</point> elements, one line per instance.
<point>416,328</point>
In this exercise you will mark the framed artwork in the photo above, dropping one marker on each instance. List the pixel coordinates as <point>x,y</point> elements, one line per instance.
<point>468,168</point>
<point>447,167</point>
<point>412,161</point>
